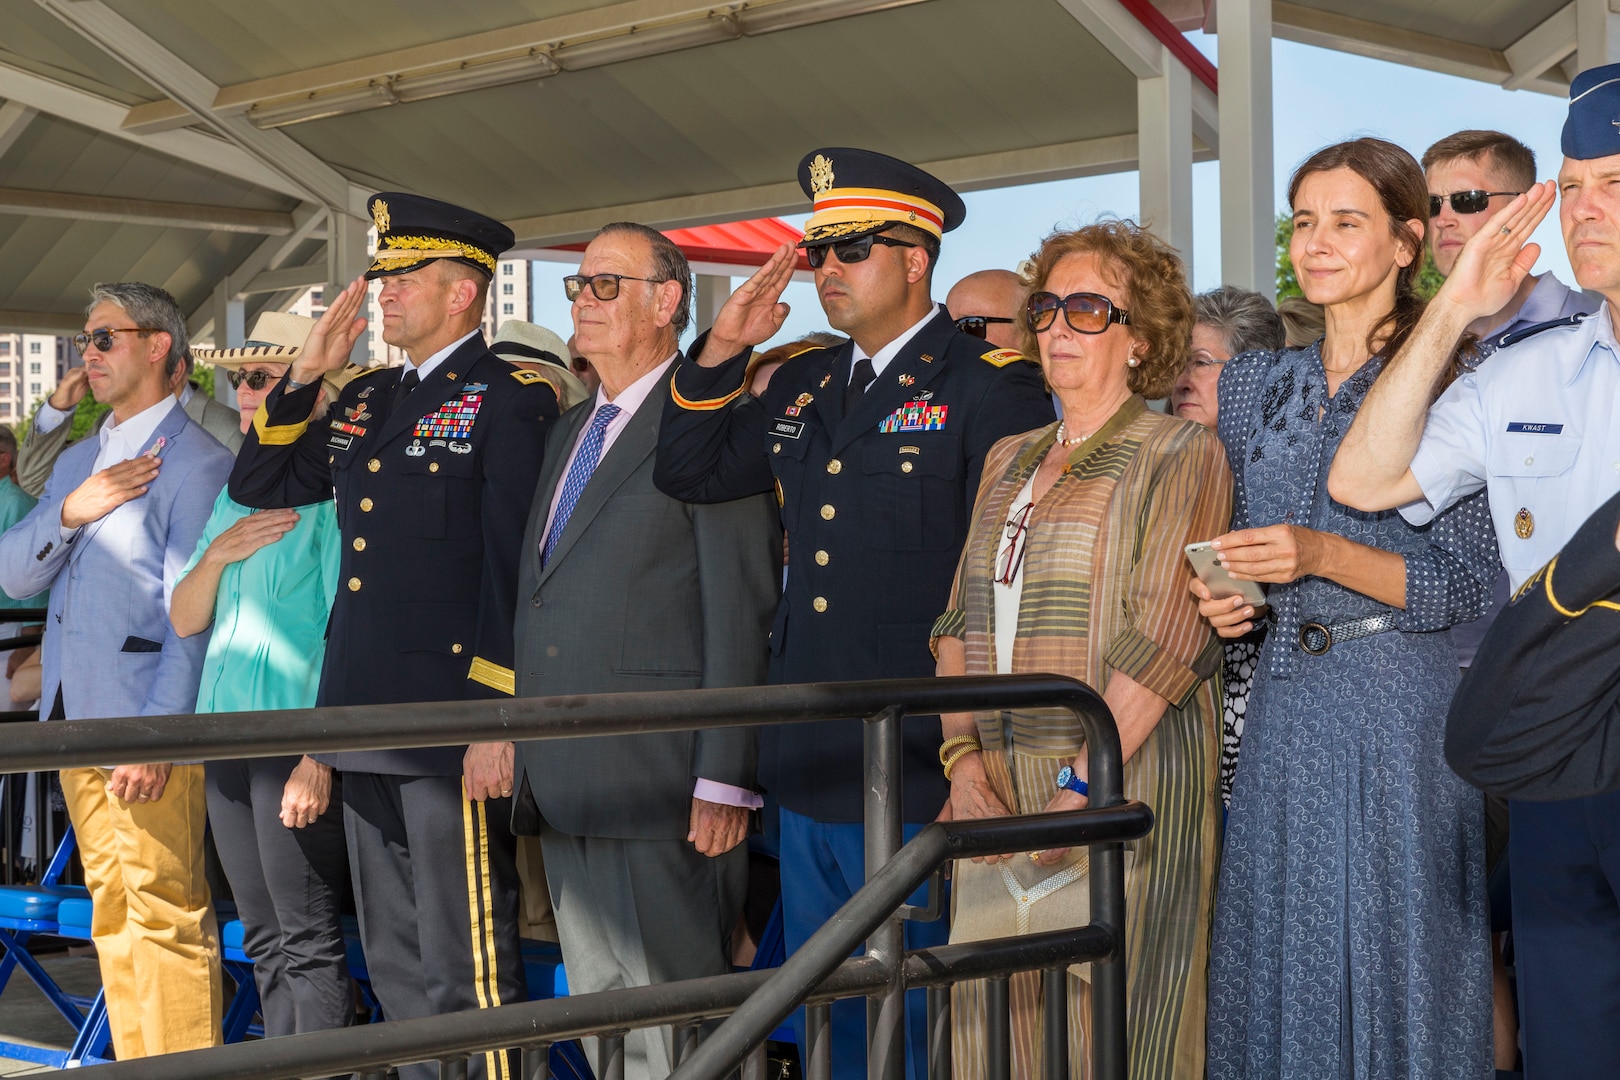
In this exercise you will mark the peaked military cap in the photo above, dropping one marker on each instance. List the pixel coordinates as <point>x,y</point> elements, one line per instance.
<point>1592,129</point>
<point>411,230</point>
<point>860,191</point>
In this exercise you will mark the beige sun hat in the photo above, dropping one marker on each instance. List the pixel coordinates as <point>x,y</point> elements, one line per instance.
<point>525,342</point>
<point>278,338</point>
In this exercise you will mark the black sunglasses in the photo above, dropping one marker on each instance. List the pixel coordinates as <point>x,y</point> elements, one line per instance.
<point>102,337</point>
<point>979,325</point>
<point>851,251</point>
<point>1465,202</point>
<point>603,286</point>
<point>1085,312</point>
<point>256,380</point>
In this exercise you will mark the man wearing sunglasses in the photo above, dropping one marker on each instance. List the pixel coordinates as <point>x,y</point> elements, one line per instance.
<point>986,305</point>
<point>1534,427</point>
<point>433,466</point>
<point>873,449</point>
<point>48,434</point>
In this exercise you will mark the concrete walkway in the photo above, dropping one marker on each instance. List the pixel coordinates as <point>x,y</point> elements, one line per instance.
<point>27,1017</point>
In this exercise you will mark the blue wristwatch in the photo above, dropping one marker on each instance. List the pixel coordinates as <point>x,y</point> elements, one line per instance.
<point>1067,781</point>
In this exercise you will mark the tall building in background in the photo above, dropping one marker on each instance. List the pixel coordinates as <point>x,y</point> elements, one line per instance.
<point>30,367</point>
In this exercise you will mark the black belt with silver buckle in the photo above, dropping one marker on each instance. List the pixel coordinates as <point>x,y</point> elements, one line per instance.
<point>1316,638</point>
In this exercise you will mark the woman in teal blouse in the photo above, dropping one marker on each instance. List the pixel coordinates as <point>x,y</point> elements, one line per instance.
<point>264,582</point>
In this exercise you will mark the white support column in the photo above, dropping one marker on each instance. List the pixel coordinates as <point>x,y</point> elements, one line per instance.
<point>1597,34</point>
<point>1164,121</point>
<point>230,332</point>
<point>347,256</point>
<point>712,292</point>
<point>1248,235</point>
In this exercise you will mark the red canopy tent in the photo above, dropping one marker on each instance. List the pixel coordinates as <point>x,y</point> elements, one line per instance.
<point>732,249</point>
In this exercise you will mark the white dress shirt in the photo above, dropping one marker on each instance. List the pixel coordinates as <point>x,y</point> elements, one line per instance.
<point>120,442</point>
<point>426,367</point>
<point>881,358</point>
<point>629,401</point>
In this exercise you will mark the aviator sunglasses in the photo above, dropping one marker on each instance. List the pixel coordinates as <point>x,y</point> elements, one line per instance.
<point>603,286</point>
<point>979,325</point>
<point>256,380</point>
<point>1085,312</point>
<point>102,336</point>
<point>850,251</point>
<point>1465,202</point>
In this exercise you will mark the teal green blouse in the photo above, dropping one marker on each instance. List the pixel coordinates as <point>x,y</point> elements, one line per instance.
<point>14,506</point>
<point>270,614</point>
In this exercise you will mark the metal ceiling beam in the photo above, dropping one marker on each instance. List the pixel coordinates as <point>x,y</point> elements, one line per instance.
<point>142,54</point>
<point>288,277</point>
<point>55,204</point>
<point>1121,33</point>
<point>1309,26</point>
<point>14,120</point>
<point>1062,161</point>
<point>104,115</point>
<point>1542,48</point>
<point>40,322</point>
<point>589,38</point>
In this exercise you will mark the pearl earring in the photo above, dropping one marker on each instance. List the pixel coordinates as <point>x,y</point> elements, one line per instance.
<point>1133,361</point>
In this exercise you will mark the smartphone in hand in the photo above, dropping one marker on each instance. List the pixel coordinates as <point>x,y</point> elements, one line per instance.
<point>1206,564</point>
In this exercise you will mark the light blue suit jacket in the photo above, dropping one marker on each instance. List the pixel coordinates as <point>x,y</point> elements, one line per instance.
<point>108,641</point>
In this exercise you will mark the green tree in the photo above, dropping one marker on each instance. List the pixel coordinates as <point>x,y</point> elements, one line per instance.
<point>1428,278</point>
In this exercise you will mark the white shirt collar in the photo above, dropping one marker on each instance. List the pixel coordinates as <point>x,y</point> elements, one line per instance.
<point>635,395</point>
<point>120,442</point>
<point>425,368</point>
<point>881,358</point>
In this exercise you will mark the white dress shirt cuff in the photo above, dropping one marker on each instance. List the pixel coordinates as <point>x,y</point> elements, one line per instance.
<point>726,795</point>
<point>48,418</point>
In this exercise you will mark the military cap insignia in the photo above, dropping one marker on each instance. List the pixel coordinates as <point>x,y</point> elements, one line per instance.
<point>1002,357</point>
<point>379,216</point>
<point>804,399</point>
<point>821,174</point>
<point>526,377</point>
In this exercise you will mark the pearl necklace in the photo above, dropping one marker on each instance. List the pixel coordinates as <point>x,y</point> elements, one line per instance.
<point>1062,431</point>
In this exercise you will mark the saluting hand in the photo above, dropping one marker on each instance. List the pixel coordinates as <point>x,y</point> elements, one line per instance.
<point>716,828</point>
<point>1494,261</point>
<point>752,314</point>
<point>486,771</point>
<point>334,336</point>
<point>107,490</point>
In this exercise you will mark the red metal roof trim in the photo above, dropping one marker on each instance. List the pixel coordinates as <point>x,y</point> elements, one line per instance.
<point>1174,40</point>
<point>736,243</point>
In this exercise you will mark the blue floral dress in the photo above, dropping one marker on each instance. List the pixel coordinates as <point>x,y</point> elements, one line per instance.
<point>1350,918</point>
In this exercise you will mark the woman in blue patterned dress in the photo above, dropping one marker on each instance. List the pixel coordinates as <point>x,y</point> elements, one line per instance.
<point>1350,922</point>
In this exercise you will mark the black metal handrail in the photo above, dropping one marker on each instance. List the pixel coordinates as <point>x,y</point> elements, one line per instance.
<point>214,736</point>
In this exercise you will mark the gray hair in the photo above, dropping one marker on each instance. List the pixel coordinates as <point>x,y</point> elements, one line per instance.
<point>669,264</point>
<point>150,307</point>
<point>1246,320</point>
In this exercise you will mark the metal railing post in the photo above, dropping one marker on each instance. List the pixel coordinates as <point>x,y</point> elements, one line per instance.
<point>1109,1054</point>
<point>885,1013</point>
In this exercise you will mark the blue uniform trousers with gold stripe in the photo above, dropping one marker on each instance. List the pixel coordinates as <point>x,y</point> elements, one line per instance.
<point>436,889</point>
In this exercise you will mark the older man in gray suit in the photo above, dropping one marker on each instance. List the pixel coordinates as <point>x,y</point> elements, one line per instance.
<point>623,588</point>
<point>119,519</point>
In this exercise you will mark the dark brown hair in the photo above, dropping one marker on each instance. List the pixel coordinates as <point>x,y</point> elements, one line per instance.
<point>1397,179</point>
<point>1515,161</point>
<point>1156,295</point>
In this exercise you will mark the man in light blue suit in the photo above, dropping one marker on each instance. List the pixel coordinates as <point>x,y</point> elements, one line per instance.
<point>118,521</point>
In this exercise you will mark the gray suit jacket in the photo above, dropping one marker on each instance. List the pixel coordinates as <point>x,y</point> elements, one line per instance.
<point>643,592</point>
<point>37,455</point>
<point>108,622</point>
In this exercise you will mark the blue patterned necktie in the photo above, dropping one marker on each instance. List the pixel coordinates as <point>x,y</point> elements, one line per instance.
<point>579,474</point>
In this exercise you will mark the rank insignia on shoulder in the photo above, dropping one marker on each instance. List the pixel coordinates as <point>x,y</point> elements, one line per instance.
<point>1001,357</point>
<point>526,377</point>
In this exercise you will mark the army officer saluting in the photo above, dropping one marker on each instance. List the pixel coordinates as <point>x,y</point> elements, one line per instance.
<point>873,449</point>
<point>433,468</point>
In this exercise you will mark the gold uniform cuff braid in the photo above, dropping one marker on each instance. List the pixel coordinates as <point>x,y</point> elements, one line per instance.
<point>953,742</point>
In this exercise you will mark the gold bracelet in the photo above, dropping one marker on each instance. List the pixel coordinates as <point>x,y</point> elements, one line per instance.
<point>953,742</point>
<point>961,753</point>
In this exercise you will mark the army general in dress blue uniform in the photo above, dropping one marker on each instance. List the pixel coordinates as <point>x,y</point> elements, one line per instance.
<point>433,468</point>
<point>873,450</point>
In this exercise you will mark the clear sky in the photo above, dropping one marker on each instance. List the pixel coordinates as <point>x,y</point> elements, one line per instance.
<point>1320,97</point>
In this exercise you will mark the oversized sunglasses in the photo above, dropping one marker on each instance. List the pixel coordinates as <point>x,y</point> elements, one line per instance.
<point>256,380</point>
<point>979,325</point>
<point>1465,202</point>
<point>1085,312</point>
<point>851,251</point>
<point>603,286</point>
<point>102,337</point>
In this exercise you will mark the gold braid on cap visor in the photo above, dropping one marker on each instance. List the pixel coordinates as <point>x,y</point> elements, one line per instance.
<point>403,250</point>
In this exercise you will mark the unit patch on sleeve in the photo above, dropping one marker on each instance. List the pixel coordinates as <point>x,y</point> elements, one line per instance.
<point>1002,357</point>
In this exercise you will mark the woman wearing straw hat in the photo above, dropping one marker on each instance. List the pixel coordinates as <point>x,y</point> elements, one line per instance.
<point>264,581</point>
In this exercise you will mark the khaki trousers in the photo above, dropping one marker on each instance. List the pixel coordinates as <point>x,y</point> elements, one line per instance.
<point>153,924</point>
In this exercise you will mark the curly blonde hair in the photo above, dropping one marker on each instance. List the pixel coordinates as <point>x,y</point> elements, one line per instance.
<point>1154,285</point>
